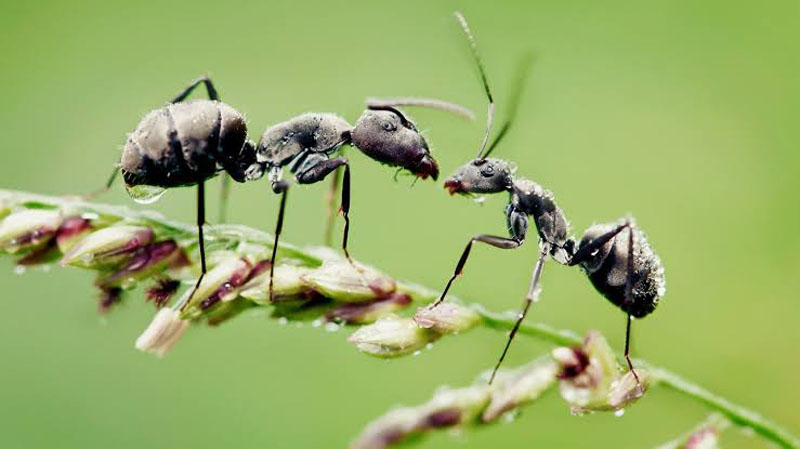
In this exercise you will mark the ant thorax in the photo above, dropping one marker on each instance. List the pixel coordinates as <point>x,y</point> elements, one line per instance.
<point>532,199</point>
<point>302,135</point>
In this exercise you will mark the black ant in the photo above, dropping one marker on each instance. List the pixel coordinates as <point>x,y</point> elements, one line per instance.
<point>307,145</point>
<point>626,272</point>
<point>187,142</point>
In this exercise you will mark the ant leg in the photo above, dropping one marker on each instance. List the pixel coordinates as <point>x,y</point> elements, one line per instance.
<point>584,251</point>
<point>201,220</point>
<point>628,349</point>
<point>281,187</point>
<point>629,300</point>
<point>317,170</point>
<point>331,199</point>
<point>212,92</point>
<point>106,187</point>
<point>493,240</point>
<point>225,189</point>
<point>346,210</point>
<point>533,296</point>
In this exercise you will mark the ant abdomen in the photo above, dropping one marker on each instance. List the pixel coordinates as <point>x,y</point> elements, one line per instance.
<point>607,269</point>
<point>183,144</point>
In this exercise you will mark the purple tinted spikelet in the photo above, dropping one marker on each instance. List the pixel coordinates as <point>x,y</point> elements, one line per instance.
<point>162,291</point>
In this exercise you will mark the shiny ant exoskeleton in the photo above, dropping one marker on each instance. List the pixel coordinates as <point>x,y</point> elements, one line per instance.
<point>187,142</point>
<point>307,145</point>
<point>626,271</point>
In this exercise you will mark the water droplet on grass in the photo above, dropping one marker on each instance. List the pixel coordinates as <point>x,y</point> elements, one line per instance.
<point>20,269</point>
<point>143,194</point>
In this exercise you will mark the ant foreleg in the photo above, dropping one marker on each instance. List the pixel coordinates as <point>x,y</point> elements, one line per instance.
<point>533,296</point>
<point>281,187</point>
<point>201,220</point>
<point>317,170</point>
<point>212,92</point>
<point>346,210</point>
<point>493,240</point>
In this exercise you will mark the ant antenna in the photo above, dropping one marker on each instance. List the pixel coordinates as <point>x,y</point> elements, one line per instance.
<point>385,107</point>
<point>473,46</point>
<point>433,103</point>
<point>516,93</point>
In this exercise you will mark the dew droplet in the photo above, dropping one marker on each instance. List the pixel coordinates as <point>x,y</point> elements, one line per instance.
<point>19,269</point>
<point>317,322</point>
<point>332,327</point>
<point>619,412</point>
<point>282,321</point>
<point>429,346</point>
<point>417,352</point>
<point>143,194</point>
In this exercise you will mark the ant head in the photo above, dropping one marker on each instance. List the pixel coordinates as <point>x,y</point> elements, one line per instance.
<point>480,176</point>
<point>386,135</point>
<point>484,174</point>
<point>595,260</point>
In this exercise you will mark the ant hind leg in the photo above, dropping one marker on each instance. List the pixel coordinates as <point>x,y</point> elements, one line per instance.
<point>629,301</point>
<point>212,91</point>
<point>201,220</point>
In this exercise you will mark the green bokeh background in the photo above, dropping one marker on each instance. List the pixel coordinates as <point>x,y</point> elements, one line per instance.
<point>683,113</point>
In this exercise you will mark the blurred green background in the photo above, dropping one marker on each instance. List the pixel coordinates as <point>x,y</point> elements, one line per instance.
<point>683,113</point>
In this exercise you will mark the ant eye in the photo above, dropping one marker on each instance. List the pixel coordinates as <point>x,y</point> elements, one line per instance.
<point>595,253</point>
<point>488,171</point>
<point>387,126</point>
